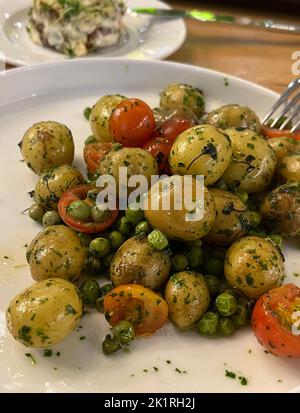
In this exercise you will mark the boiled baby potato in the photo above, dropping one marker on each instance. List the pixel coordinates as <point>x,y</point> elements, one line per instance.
<point>253,162</point>
<point>234,116</point>
<point>173,220</point>
<point>282,146</point>
<point>280,211</point>
<point>232,219</point>
<point>136,261</point>
<point>254,265</point>
<point>100,116</point>
<point>47,144</point>
<point>189,98</point>
<point>201,150</point>
<point>45,313</point>
<point>52,184</point>
<point>187,296</point>
<point>289,168</point>
<point>56,252</point>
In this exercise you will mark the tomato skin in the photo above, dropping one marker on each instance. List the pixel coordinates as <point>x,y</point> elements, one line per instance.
<point>268,329</point>
<point>93,153</point>
<point>160,149</point>
<point>121,304</point>
<point>74,194</point>
<point>132,123</point>
<point>174,127</point>
<point>277,133</point>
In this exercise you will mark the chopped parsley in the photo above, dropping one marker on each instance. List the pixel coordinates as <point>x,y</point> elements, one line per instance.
<point>30,356</point>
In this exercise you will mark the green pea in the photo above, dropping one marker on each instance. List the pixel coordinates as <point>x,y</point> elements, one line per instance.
<point>213,284</point>
<point>208,325</point>
<point>124,331</point>
<point>116,239</point>
<point>194,256</point>
<point>99,214</point>
<point>226,304</point>
<point>158,240</point>
<point>106,288</point>
<point>142,228</point>
<point>242,195</point>
<point>99,304</point>
<point>90,291</point>
<point>100,246</point>
<point>226,326</point>
<point>51,218</point>
<point>36,212</point>
<point>134,214</point>
<point>195,243</point>
<point>108,259</point>
<point>254,219</point>
<point>79,210</point>
<point>87,112</point>
<point>277,239</point>
<point>124,226</point>
<point>93,264</point>
<point>213,265</point>
<point>85,239</point>
<point>90,139</point>
<point>179,262</point>
<point>240,317</point>
<point>110,345</point>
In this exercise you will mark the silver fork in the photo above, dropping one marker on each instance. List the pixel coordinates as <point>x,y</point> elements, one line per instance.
<point>288,105</point>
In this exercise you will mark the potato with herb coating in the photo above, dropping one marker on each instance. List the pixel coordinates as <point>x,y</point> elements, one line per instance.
<point>282,146</point>
<point>254,265</point>
<point>186,96</point>
<point>280,210</point>
<point>201,150</point>
<point>47,144</point>
<point>100,116</point>
<point>289,168</point>
<point>45,313</point>
<point>137,262</point>
<point>232,219</point>
<point>234,116</point>
<point>187,296</point>
<point>174,219</point>
<point>253,162</point>
<point>54,183</point>
<point>56,252</point>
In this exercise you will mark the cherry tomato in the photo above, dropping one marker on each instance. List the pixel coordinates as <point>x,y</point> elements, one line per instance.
<point>174,127</point>
<point>93,152</point>
<point>74,194</point>
<point>277,133</point>
<point>132,123</point>
<point>276,321</point>
<point>145,309</point>
<point>160,148</point>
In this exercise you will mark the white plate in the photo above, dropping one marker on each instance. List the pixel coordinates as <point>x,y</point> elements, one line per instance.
<point>29,95</point>
<point>143,37</point>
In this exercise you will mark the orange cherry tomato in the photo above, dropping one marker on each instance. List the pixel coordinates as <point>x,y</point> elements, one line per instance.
<point>160,149</point>
<point>93,153</point>
<point>145,309</point>
<point>132,123</point>
<point>277,133</point>
<point>276,321</point>
<point>174,127</point>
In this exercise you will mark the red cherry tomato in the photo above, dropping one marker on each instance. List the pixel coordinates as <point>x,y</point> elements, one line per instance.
<point>93,152</point>
<point>160,148</point>
<point>74,194</point>
<point>276,321</point>
<point>174,127</point>
<point>132,123</point>
<point>277,133</point>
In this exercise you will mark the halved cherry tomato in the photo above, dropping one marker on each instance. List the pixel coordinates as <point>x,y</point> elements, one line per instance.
<point>132,123</point>
<point>276,321</point>
<point>145,309</point>
<point>160,149</point>
<point>74,194</point>
<point>277,133</point>
<point>174,127</point>
<point>93,152</point>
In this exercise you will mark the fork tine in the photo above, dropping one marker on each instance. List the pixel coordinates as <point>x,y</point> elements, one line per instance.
<point>293,113</point>
<point>291,87</point>
<point>286,109</point>
<point>294,128</point>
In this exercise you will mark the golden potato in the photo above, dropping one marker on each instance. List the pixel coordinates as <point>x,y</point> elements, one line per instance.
<point>56,252</point>
<point>47,144</point>
<point>136,261</point>
<point>45,313</point>
<point>289,168</point>
<point>254,265</point>
<point>187,296</point>
<point>282,146</point>
<point>234,116</point>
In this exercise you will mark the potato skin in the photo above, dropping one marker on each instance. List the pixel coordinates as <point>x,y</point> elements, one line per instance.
<point>100,116</point>
<point>201,150</point>
<point>173,222</point>
<point>254,265</point>
<point>136,261</point>
<point>45,313</point>
<point>234,116</point>
<point>56,252</point>
<point>289,168</point>
<point>188,298</point>
<point>253,162</point>
<point>54,183</point>
<point>232,219</point>
<point>186,96</point>
<point>282,146</point>
<point>280,210</point>
<point>47,144</point>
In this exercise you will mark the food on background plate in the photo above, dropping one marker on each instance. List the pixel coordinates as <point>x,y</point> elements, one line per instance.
<point>75,27</point>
